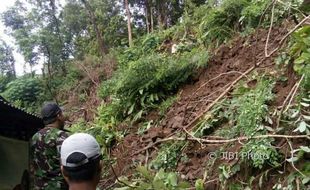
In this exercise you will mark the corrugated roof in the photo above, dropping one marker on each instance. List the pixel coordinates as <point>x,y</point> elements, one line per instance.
<point>16,122</point>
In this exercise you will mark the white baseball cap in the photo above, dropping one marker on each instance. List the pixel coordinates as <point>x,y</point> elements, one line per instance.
<point>79,149</point>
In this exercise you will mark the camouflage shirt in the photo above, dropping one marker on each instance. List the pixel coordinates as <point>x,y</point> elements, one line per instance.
<point>45,159</point>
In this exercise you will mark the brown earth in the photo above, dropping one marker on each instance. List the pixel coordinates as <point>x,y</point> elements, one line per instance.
<point>228,63</point>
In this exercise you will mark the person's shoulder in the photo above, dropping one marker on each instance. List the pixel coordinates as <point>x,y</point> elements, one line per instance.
<point>39,134</point>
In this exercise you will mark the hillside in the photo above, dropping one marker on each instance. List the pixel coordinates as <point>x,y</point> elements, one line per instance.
<point>188,95</point>
<point>228,63</point>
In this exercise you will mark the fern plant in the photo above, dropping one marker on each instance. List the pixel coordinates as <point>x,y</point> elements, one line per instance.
<point>157,181</point>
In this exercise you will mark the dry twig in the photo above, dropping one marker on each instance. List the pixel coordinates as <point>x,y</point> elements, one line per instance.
<point>222,74</point>
<point>294,93</point>
<point>292,155</point>
<point>120,181</point>
<point>270,28</point>
<point>290,96</point>
<point>89,75</point>
<point>212,141</point>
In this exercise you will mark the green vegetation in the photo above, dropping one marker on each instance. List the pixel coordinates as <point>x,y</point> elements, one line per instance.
<point>113,86</point>
<point>146,82</point>
<point>159,181</point>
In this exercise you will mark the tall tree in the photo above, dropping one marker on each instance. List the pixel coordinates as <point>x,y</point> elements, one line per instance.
<point>17,22</point>
<point>103,48</point>
<point>128,23</point>
<point>7,62</point>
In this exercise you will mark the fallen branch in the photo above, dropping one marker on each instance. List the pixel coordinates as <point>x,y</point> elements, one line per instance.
<point>294,93</point>
<point>117,178</point>
<point>283,105</point>
<point>222,141</point>
<point>290,96</point>
<point>290,32</point>
<point>270,28</point>
<point>218,76</point>
<point>292,156</point>
<point>192,136</point>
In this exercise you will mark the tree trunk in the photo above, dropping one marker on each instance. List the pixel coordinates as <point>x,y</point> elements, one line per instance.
<point>50,75</point>
<point>13,69</point>
<point>152,19</point>
<point>162,14</point>
<point>56,20</point>
<point>103,49</point>
<point>147,11</point>
<point>128,23</point>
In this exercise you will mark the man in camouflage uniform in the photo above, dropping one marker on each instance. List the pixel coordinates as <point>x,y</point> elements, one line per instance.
<point>45,150</point>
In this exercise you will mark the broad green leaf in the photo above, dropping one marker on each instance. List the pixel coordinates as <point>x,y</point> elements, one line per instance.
<point>305,180</point>
<point>235,168</point>
<point>306,117</point>
<point>199,184</point>
<point>143,170</point>
<point>301,127</point>
<point>293,159</point>
<point>172,179</point>
<point>131,109</point>
<point>300,60</point>
<point>306,99</point>
<point>184,185</point>
<point>304,104</point>
<point>305,148</point>
<point>158,184</point>
<point>160,175</point>
<point>269,128</point>
<point>295,114</point>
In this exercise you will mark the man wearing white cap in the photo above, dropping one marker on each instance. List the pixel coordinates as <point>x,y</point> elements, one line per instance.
<point>80,161</point>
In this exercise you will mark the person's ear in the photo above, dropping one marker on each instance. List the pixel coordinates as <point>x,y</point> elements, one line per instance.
<point>61,117</point>
<point>63,173</point>
<point>100,166</point>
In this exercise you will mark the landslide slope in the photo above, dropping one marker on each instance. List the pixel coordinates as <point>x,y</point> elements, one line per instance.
<point>228,63</point>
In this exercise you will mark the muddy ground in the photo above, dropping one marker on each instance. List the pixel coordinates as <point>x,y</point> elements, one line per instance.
<point>228,62</point>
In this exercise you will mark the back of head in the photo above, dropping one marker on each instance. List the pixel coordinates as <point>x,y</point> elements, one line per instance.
<point>80,158</point>
<point>49,112</point>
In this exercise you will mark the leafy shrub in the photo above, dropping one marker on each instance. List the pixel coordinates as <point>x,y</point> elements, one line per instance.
<point>157,181</point>
<point>4,80</point>
<point>164,106</point>
<point>144,46</point>
<point>251,114</point>
<point>28,91</point>
<point>251,14</point>
<point>253,109</point>
<point>259,153</point>
<point>300,50</point>
<point>168,156</point>
<point>221,22</point>
<point>109,114</point>
<point>148,81</point>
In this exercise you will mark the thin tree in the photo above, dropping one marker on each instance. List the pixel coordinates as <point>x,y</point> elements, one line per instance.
<point>147,12</point>
<point>128,23</point>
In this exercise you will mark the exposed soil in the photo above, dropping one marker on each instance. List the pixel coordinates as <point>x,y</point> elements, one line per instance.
<point>228,63</point>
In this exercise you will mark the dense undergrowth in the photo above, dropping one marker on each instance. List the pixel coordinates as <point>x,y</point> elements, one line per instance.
<point>248,112</point>
<point>148,76</point>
